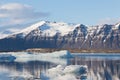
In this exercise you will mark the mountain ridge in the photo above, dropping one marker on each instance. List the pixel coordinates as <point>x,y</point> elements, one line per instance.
<point>62,35</point>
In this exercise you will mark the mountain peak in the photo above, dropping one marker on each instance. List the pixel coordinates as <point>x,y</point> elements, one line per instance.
<point>47,28</point>
<point>34,26</point>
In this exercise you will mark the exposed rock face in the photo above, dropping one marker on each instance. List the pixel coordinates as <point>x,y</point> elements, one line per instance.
<point>53,35</point>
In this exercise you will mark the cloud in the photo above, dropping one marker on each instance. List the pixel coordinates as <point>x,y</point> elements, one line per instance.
<point>15,13</point>
<point>109,21</point>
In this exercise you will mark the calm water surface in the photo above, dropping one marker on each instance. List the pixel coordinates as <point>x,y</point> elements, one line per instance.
<point>100,67</point>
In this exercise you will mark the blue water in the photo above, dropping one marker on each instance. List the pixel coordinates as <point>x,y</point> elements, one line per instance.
<point>101,66</point>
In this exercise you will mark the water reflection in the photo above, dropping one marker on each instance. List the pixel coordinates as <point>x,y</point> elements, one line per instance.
<point>29,70</point>
<point>98,69</point>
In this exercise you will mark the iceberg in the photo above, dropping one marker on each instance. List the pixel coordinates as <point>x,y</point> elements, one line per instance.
<point>71,72</point>
<point>58,57</point>
<point>56,54</point>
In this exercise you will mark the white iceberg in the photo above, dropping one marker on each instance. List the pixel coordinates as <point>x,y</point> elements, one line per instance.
<point>58,57</point>
<point>71,72</point>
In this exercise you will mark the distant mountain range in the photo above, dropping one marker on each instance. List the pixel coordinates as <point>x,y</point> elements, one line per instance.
<point>7,32</point>
<point>62,35</point>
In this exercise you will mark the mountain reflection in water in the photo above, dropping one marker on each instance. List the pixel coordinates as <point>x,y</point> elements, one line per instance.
<point>98,69</point>
<point>102,69</point>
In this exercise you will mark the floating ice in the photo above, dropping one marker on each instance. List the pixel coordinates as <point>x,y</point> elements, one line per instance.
<point>57,54</point>
<point>58,57</point>
<point>71,72</point>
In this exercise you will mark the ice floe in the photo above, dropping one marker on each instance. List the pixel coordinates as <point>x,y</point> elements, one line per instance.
<point>71,72</point>
<point>58,57</point>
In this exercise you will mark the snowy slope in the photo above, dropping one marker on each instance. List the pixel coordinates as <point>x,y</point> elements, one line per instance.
<point>3,35</point>
<point>31,28</point>
<point>48,28</point>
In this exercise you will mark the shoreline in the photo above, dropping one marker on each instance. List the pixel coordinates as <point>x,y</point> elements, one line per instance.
<point>49,50</point>
<point>44,50</point>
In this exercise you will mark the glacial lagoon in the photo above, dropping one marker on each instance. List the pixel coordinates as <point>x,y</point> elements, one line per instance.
<point>78,66</point>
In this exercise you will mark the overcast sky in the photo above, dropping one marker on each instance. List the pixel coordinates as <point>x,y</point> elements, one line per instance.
<point>21,13</point>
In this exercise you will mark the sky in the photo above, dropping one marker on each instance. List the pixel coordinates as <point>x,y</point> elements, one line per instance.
<point>22,13</point>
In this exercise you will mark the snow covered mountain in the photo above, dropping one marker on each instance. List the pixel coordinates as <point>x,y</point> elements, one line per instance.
<point>47,34</point>
<point>45,28</point>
